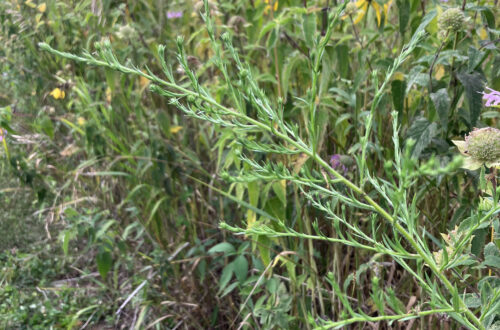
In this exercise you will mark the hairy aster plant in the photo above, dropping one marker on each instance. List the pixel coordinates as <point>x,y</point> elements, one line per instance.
<point>481,146</point>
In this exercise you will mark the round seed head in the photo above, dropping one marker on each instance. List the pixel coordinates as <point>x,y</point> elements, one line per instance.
<point>483,144</point>
<point>452,20</point>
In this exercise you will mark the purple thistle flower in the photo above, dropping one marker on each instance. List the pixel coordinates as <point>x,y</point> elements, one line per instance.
<point>492,98</point>
<point>174,14</point>
<point>336,163</point>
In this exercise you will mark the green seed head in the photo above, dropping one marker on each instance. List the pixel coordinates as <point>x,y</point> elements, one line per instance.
<point>483,144</point>
<point>452,20</point>
<point>351,8</point>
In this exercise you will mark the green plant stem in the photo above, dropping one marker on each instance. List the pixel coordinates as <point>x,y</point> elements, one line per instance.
<point>366,318</point>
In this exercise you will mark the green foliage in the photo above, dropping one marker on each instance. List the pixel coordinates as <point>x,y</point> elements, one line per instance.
<point>181,167</point>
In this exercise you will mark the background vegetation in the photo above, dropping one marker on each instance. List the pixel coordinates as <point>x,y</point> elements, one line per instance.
<point>120,206</point>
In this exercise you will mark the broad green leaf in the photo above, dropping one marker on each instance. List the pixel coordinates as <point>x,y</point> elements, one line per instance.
<point>491,250</point>
<point>422,131</point>
<point>472,300</point>
<point>475,57</point>
<point>404,15</point>
<point>477,243</point>
<point>66,239</point>
<point>224,247</point>
<point>264,246</point>
<point>473,84</point>
<point>491,261</point>
<point>342,60</point>
<point>104,262</point>
<point>398,94</point>
<point>309,29</point>
<point>47,126</point>
<point>441,102</point>
<point>225,277</point>
<point>240,268</point>
<point>425,21</point>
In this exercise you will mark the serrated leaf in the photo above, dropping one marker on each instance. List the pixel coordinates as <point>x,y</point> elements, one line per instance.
<point>442,102</point>
<point>422,131</point>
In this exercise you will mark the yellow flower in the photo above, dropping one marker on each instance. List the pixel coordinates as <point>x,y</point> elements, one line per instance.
<point>42,7</point>
<point>268,7</point>
<point>363,6</point>
<point>57,93</point>
<point>175,129</point>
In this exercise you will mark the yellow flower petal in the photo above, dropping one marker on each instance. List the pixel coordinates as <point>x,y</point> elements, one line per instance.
<point>386,10</point>
<point>57,93</point>
<point>362,11</point>
<point>81,121</point>
<point>175,129</point>
<point>42,7</point>
<point>378,11</point>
